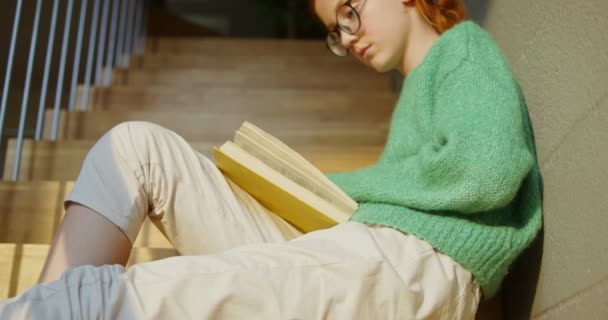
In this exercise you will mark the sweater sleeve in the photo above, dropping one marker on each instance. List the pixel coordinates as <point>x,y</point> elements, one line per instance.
<point>475,160</point>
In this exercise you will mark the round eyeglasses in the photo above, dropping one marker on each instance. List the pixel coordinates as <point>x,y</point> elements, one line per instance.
<point>349,21</point>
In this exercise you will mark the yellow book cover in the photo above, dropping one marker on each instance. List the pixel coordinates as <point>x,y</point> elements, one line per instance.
<point>276,183</point>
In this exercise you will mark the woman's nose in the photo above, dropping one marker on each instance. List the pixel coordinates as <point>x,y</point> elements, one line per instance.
<point>347,39</point>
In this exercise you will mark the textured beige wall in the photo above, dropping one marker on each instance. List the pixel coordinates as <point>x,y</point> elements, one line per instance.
<point>559,52</point>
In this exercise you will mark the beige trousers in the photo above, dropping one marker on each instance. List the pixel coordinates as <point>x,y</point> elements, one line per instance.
<point>238,260</point>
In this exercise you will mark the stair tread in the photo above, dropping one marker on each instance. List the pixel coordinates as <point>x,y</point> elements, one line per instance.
<point>219,41</point>
<point>250,91</point>
<point>318,79</point>
<point>249,62</point>
<point>236,46</point>
<point>296,92</point>
<point>221,127</point>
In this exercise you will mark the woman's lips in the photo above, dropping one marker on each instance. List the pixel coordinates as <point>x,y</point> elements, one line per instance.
<point>364,51</point>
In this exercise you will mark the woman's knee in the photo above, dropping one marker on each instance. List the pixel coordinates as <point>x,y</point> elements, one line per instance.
<point>135,130</point>
<point>131,140</point>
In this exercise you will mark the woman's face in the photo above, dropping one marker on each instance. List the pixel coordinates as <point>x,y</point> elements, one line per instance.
<point>381,39</point>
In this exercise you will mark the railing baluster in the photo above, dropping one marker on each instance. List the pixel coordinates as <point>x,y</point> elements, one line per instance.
<point>26,91</point>
<point>9,65</point>
<point>144,33</point>
<point>139,11</point>
<point>129,34</point>
<point>64,51</point>
<point>121,35</point>
<point>47,69</point>
<point>76,68</point>
<point>102,42</point>
<point>92,37</point>
<point>126,36</point>
<point>111,44</point>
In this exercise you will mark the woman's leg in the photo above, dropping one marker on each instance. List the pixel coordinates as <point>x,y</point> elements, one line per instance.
<point>78,243</point>
<point>140,170</point>
<point>351,271</point>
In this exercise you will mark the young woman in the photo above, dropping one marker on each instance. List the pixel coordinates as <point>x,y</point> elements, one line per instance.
<point>453,200</point>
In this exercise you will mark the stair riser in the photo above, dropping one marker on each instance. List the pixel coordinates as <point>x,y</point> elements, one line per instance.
<point>45,160</point>
<point>289,101</point>
<point>32,213</point>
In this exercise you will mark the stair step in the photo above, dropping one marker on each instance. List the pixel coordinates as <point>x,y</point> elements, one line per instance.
<point>220,127</point>
<point>237,47</point>
<point>242,99</point>
<point>31,212</point>
<point>192,79</point>
<point>250,62</point>
<point>62,160</point>
<point>21,264</point>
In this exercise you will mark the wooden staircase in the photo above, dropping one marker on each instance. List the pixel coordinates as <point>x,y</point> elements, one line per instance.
<point>332,110</point>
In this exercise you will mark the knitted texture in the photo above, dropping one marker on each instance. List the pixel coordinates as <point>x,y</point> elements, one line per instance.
<point>459,169</point>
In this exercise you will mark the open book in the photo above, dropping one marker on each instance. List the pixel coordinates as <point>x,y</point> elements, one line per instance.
<point>282,180</point>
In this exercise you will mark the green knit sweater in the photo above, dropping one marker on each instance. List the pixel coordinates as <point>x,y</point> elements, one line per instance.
<point>459,169</point>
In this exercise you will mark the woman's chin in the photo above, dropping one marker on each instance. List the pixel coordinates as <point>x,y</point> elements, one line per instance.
<point>379,65</point>
<point>376,62</point>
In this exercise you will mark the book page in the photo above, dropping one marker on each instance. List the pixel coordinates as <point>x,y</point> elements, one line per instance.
<point>285,168</point>
<point>278,149</point>
<point>307,173</point>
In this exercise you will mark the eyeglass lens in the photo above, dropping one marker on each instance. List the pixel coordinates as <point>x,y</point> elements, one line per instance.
<point>348,21</point>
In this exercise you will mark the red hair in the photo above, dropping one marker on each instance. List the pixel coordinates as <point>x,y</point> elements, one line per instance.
<point>441,14</point>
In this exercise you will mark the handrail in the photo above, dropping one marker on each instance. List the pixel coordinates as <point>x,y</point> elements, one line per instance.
<point>117,29</point>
